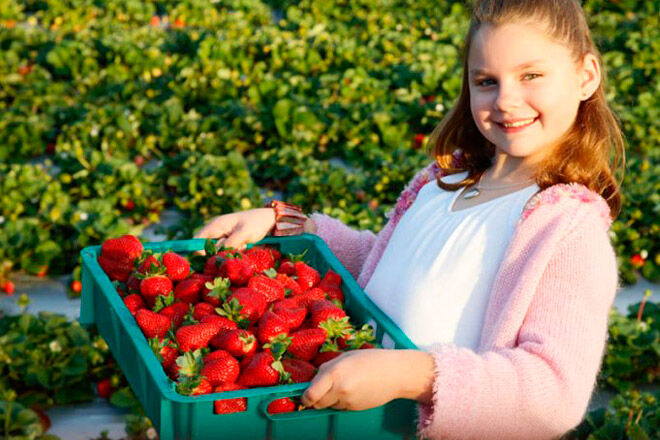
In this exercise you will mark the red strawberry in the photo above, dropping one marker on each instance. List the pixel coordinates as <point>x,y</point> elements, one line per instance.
<point>244,304</point>
<point>260,258</point>
<point>271,325</point>
<point>133,283</point>
<point>134,302</point>
<point>192,337</point>
<point>331,277</point>
<point>305,344</point>
<point>237,342</point>
<point>76,286</point>
<point>216,292</point>
<point>104,388</point>
<point>289,310</point>
<point>203,309</point>
<point>325,356</point>
<point>289,284</point>
<point>305,299</point>
<point>300,371</point>
<point>150,264</point>
<point>221,322</point>
<point>118,256</point>
<point>153,286</point>
<point>117,270</point>
<point>270,288</point>
<point>286,267</point>
<point>153,325</point>
<point>237,269</point>
<point>176,312</point>
<point>204,387</point>
<point>323,310</point>
<point>261,371</point>
<point>228,406</point>
<point>188,291</point>
<point>220,369</point>
<point>212,265</point>
<point>178,267</point>
<point>332,291</point>
<point>282,405</point>
<point>277,255</point>
<point>164,351</point>
<point>9,287</point>
<point>307,276</point>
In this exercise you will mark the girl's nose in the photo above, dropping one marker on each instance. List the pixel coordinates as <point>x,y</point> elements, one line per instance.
<point>507,98</point>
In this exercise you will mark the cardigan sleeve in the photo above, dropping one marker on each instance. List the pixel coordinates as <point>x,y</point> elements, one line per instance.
<point>540,386</point>
<point>350,245</point>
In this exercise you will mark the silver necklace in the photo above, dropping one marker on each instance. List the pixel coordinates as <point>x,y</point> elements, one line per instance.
<point>476,191</point>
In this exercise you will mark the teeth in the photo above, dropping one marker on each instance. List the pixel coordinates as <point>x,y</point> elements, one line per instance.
<point>519,123</point>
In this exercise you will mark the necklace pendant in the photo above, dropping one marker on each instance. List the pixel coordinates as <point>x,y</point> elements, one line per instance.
<point>474,192</point>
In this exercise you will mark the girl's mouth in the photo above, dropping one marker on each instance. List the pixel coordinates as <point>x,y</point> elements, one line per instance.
<point>513,127</point>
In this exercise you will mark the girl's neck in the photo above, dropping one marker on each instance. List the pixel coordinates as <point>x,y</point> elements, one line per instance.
<point>507,170</point>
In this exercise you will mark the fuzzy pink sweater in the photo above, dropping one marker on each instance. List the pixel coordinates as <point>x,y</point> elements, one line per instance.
<point>545,326</point>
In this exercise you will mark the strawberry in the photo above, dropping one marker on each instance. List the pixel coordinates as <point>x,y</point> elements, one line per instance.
<point>104,388</point>
<point>178,267</point>
<point>277,255</point>
<point>307,276</point>
<point>325,356</point>
<point>134,302</point>
<point>176,312</point>
<point>290,285</point>
<point>228,406</point>
<point>289,310</point>
<point>118,256</point>
<point>153,286</point>
<point>76,286</point>
<point>282,405</point>
<point>271,325</point>
<point>270,288</point>
<point>262,370</point>
<point>216,292</point>
<point>188,290</point>
<point>212,265</point>
<point>322,310</point>
<point>153,325</point>
<point>221,369</point>
<point>243,306</point>
<point>260,258</point>
<point>133,283</point>
<point>300,371</point>
<point>305,344</point>
<point>164,351</point>
<point>150,264</point>
<point>286,267</point>
<point>237,342</point>
<point>9,287</point>
<point>221,322</point>
<point>192,337</point>
<point>203,309</point>
<point>237,269</point>
<point>306,298</point>
<point>203,387</point>
<point>332,291</point>
<point>332,278</point>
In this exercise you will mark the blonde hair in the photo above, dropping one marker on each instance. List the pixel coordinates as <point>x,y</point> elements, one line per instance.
<point>582,155</point>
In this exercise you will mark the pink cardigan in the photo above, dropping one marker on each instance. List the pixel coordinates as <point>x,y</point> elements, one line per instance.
<point>545,327</point>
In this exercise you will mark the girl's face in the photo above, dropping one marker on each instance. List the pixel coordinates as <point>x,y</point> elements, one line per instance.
<point>525,89</point>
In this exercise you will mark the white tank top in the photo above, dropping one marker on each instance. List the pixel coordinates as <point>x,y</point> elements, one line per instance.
<point>437,270</point>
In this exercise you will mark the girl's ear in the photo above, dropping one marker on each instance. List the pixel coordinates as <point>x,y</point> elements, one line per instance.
<point>590,76</point>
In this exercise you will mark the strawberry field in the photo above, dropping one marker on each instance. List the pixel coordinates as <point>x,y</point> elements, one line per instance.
<point>115,115</point>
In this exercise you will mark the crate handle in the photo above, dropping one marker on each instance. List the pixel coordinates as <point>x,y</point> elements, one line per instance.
<point>295,415</point>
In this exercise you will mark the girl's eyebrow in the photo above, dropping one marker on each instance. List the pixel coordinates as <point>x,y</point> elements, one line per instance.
<point>522,66</point>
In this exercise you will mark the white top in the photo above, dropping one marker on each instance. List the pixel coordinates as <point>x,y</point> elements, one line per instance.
<point>435,275</point>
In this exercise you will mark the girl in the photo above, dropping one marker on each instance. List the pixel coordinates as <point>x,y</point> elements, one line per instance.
<point>496,260</point>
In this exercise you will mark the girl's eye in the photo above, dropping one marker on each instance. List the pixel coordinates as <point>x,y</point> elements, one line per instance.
<point>531,76</point>
<point>485,82</point>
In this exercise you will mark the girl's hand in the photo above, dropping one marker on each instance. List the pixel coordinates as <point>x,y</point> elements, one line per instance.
<point>239,228</point>
<point>364,379</point>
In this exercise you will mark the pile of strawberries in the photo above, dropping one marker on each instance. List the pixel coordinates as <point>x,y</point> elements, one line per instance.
<point>251,318</point>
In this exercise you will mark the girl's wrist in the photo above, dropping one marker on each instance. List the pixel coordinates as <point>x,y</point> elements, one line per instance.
<point>417,373</point>
<point>309,227</point>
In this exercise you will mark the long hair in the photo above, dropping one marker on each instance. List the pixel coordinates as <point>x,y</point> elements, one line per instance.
<point>583,154</point>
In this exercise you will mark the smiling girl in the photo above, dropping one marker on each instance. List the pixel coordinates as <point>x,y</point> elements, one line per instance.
<point>496,260</point>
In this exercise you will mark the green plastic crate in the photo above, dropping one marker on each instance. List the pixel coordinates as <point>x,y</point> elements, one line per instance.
<point>191,417</point>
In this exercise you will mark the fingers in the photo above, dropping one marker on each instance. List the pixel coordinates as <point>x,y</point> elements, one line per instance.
<point>316,395</point>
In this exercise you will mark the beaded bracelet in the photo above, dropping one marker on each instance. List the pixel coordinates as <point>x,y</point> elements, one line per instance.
<point>289,218</point>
